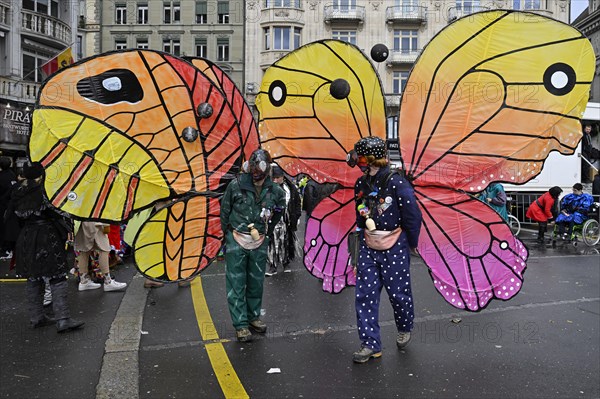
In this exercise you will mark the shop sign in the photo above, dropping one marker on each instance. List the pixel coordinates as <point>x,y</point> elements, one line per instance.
<point>15,123</point>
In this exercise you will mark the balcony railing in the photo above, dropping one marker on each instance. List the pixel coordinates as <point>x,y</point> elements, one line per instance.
<point>337,13</point>
<point>403,56</point>
<point>5,14</point>
<point>406,13</point>
<point>22,90</point>
<point>293,15</point>
<point>45,25</point>
<point>458,11</point>
<point>269,57</point>
<point>392,100</point>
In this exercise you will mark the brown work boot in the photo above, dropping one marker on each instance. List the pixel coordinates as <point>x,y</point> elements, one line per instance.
<point>364,354</point>
<point>403,339</point>
<point>243,335</point>
<point>258,326</point>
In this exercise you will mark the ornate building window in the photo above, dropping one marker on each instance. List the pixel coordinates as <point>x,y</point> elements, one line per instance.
<point>282,38</point>
<point>348,36</point>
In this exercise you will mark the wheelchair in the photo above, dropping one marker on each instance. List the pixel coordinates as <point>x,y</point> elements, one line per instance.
<point>588,231</point>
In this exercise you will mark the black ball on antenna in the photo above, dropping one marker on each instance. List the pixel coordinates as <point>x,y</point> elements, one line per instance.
<point>189,134</point>
<point>339,89</point>
<point>205,110</point>
<point>379,52</point>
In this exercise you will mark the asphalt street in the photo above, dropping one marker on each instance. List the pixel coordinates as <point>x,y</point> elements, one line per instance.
<point>178,342</point>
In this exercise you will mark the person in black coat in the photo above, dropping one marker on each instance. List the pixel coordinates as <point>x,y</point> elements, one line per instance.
<point>282,246</point>
<point>41,252</point>
<point>591,153</point>
<point>8,181</point>
<point>315,193</point>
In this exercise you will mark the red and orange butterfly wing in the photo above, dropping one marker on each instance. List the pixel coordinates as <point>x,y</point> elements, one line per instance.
<point>240,108</point>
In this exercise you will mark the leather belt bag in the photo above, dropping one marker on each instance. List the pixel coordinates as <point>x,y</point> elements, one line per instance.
<point>246,241</point>
<point>382,240</point>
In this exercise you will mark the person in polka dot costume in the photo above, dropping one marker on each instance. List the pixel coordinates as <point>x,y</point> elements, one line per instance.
<point>388,199</point>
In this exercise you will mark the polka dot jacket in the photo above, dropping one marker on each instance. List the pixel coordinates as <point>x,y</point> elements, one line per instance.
<point>394,205</point>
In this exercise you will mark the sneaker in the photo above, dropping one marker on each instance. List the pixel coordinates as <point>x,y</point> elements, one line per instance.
<point>87,284</point>
<point>7,255</point>
<point>114,285</point>
<point>259,326</point>
<point>287,269</point>
<point>243,335</point>
<point>271,272</point>
<point>364,354</point>
<point>403,339</point>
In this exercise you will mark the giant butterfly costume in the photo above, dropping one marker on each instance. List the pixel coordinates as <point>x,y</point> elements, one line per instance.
<point>122,131</point>
<point>488,99</point>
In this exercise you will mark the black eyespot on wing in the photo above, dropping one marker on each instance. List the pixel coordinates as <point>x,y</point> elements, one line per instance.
<point>277,93</point>
<point>559,79</point>
<point>111,87</point>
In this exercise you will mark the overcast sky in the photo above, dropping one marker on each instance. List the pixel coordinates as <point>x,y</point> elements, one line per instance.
<point>577,6</point>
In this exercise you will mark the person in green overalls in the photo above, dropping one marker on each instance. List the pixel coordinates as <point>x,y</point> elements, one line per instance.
<point>250,208</point>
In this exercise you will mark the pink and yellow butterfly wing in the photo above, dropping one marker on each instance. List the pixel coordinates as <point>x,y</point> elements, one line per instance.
<point>326,240</point>
<point>488,99</point>
<point>471,252</point>
<point>314,105</point>
<point>491,96</point>
<point>303,126</point>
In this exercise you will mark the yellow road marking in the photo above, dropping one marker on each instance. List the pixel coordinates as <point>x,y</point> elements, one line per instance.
<point>230,383</point>
<point>12,280</point>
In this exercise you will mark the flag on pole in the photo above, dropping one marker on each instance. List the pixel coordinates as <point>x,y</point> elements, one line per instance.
<point>65,58</point>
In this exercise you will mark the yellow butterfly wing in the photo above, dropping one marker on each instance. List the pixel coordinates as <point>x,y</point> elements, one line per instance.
<point>179,240</point>
<point>481,106</point>
<point>314,104</point>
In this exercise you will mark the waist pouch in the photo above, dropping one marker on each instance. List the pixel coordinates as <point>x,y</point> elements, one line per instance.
<point>246,241</point>
<point>381,240</point>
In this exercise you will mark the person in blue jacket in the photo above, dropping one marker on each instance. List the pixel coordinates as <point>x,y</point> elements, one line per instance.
<point>389,220</point>
<point>574,210</point>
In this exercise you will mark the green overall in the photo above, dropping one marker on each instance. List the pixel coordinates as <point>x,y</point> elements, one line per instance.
<point>245,269</point>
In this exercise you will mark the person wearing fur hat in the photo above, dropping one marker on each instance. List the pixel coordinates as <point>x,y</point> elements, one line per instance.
<point>389,221</point>
<point>41,250</point>
<point>250,208</point>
